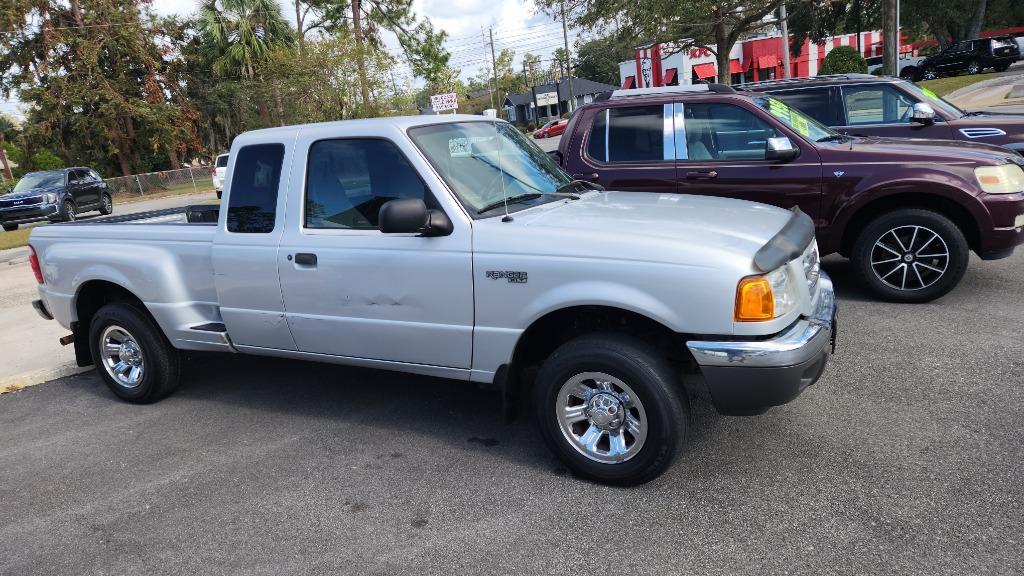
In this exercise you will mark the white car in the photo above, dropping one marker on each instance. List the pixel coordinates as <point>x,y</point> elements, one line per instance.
<point>220,169</point>
<point>452,246</point>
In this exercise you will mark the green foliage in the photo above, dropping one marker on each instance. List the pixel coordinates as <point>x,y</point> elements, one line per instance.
<point>599,59</point>
<point>45,160</point>
<point>844,60</point>
<point>241,34</point>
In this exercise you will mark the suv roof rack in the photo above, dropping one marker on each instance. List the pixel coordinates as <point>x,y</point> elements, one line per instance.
<point>799,79</point>
<point>665,90</point>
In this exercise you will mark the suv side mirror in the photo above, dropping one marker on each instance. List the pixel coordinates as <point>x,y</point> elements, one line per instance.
<point>780,149</point>
<point>410,215</point>
<point>555,156</point>
<point>922,113</point>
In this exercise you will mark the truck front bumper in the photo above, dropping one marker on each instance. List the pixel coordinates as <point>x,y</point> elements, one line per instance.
<point>750,376</point>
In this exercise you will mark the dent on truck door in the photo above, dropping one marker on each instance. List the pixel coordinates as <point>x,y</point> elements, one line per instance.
<point>351,290</point>
<point>245,251</point>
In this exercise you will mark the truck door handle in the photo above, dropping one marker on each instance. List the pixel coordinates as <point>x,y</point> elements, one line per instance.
<point>592,177</point>
<point>305,259</point>
<point>702,175</point>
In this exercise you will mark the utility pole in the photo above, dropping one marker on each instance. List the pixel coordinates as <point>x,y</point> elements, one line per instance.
<point>785,40</point>
<point>856,8</point>
<point>568,60</point>
<point>494,67</point>
<point>890,51</point>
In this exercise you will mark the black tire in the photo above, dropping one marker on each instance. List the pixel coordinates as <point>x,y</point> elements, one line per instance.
<point>68,211</point>
<point>910,73</point>
<point>1003,67</point>
<point>106,205</point>
<point>655,383</point>
<point>219,193</point>
<point>894,231</point>
<point>974,67</point>
<point>928,74</point>
<point>10,227</point>
<point>161,362</point>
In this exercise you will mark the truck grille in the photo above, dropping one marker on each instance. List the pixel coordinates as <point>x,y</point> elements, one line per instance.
<point>30,201</point>
<point>812,266</point>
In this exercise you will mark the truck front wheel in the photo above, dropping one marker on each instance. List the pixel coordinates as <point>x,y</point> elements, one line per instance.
<point>132,355</point>
<point>611,408</point>
<point>911,255</point>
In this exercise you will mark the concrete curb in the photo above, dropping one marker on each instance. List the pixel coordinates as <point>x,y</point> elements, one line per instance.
<point>15,383</point>
<point>1016,92</point>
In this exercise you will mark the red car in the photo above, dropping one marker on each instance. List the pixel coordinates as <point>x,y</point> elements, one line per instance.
<point>553,128</point>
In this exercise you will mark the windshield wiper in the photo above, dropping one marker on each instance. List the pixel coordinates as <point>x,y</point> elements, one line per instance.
<point>585,184</point>
<point>975,113</point>
<point>510,200</point>
<point>833,138</point>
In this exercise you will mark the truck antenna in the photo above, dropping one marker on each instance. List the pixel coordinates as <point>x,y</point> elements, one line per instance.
<point>501,173</point>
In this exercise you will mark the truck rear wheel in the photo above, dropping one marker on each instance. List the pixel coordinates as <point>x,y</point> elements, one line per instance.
<point>911,255</point>
<point>132,354</point>
<point>611,409</point>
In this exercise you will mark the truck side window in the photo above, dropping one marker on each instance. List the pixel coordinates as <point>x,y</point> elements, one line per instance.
<point>814,102</point>
<point>252,204</point>
<point>632,134</point>
<point>877,104</point>
<point>724,132</point>
<point>347,181</point>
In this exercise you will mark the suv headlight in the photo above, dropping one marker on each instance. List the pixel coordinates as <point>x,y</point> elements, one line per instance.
<point>765,297</point>
<point>49,198</point>
<point>1005,179</point>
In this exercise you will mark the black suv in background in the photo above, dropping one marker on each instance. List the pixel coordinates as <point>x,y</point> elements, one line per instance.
<point>55,195</point>
<point>971,56</point>
<point>866,105</point>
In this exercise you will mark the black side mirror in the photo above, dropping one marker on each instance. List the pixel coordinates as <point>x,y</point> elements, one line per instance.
<point>555,156</point>
<point>410,215</point>
<point>780,149</point>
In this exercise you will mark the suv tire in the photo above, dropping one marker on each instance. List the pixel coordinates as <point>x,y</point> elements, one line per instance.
<point>10,227</point>
<point>106,205</point>
<point>132,355</point>
<point>1002,67</point>
<point>617,395</point>
<point>67,211</point>
<point>911,255</point>
<point>974,67</point>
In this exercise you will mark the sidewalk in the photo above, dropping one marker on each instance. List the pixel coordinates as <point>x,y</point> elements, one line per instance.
<point>987,93</point>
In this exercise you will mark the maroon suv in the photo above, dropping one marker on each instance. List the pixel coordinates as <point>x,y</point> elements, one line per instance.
<point>907,212</point>
<point>865,105</point>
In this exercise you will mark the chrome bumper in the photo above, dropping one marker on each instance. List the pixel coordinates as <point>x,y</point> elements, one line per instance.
<point>799,343</point>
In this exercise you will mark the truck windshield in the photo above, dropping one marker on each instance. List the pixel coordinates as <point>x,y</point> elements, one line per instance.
<point>485,163</point>
<point>801,123</point>
<point>39,180</point>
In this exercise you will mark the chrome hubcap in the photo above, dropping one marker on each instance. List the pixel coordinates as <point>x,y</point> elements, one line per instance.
<point>910,257</point>
<point>122,356</point>
<point>601,417</point>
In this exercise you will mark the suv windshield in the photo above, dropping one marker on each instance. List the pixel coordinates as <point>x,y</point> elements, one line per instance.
<point>38,180</point>
<point>801,123</point>
<point>487,162</point>
<point>926,95</point>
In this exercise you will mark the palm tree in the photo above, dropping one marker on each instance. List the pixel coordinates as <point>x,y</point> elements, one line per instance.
<point>243,33</point>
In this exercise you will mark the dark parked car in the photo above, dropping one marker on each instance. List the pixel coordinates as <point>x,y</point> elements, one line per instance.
<point>55,195</point>
<point>907,212</point>
<point>860,104</point>
<point>970,56</point>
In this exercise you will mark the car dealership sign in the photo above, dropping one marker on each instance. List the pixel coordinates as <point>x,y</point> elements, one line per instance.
<point>442,102</point>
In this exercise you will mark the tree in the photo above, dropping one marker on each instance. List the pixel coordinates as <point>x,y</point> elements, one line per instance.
<point>324,15</point>
<point>718,23</point>
<point>599,59</point>
<point>844,60</point>
<point>242,34</point>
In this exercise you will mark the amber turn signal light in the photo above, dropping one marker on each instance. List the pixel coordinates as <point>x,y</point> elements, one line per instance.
<point>754,300</point>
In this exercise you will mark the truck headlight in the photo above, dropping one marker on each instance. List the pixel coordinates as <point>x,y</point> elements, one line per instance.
<point>1005,179</point>
<point>764,297</point>
<point>49,198</point>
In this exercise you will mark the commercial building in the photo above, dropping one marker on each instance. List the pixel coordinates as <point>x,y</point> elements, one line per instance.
<point>552,100</point>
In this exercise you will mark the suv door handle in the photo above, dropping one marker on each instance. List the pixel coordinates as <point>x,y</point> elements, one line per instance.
<point>305,259</point>
<point>592,177</point>
<point>702,175</point>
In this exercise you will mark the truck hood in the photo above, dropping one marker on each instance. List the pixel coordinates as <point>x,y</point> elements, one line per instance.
<point>922,151</point>
<point>657,227</point>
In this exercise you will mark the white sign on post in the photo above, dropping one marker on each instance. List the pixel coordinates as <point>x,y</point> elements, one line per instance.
<point>442,102</point>
<point>547,99</point>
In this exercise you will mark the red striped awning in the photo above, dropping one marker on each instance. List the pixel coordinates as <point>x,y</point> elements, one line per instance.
<point>735,67</point>
<point>629,83</point>
<point>705,70</point>
<point>670,76</point>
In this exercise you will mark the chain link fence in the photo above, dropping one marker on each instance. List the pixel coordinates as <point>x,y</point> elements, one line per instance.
<point>167,183</point>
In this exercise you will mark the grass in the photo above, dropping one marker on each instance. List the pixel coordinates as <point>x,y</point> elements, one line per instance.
<point>126,198</point>
<point>14,239</point>
<point>944,86</point>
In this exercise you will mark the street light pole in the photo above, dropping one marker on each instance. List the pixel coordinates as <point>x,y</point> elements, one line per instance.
<point>568,60</point>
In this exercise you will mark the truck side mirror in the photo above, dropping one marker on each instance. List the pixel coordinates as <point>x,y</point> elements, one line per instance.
<point>410,215</point>
<point>922,113</point>
<point>555,156</point>
<point>780,149</point>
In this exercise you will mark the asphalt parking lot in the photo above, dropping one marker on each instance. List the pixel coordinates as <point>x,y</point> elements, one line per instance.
<point>905,459</point>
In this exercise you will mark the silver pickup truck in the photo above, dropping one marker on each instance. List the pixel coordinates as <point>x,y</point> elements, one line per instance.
<point>451,246</point>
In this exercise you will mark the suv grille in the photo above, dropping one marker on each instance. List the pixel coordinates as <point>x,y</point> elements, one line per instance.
<point>812,266</point>
<point>21,202</point>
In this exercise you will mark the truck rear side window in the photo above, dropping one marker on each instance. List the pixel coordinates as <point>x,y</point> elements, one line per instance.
<point>252,200</point>
<point>629,134</point>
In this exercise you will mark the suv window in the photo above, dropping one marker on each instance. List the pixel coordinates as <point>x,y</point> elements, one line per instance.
<point>630,134</point>
<point>347,181</point>
<point>724,132</point>
<point>222,161</point>
<point>876,104</point>
<point>94,176</point>
<point>815,102</point>
<point>252,207</point>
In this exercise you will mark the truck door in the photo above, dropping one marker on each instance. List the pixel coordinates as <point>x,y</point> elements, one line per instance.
<point>246,246</point>
<point>351,290</point>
